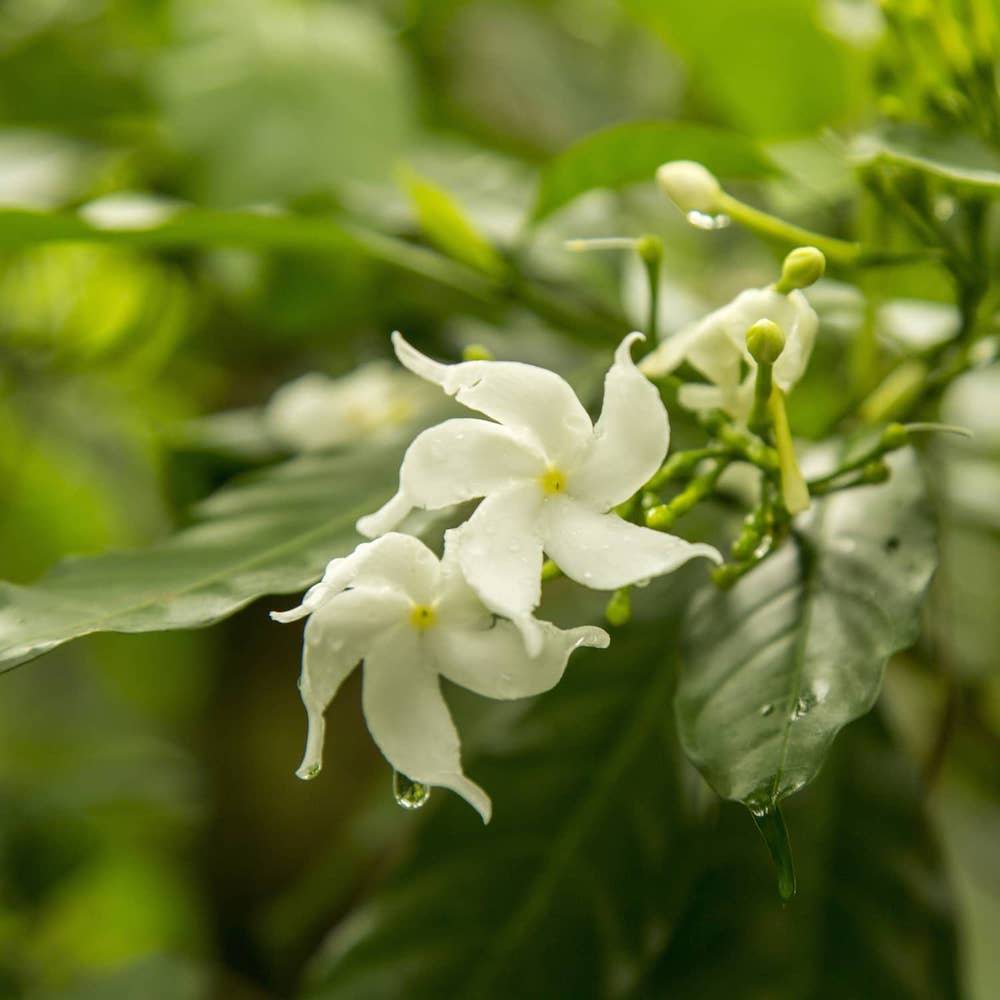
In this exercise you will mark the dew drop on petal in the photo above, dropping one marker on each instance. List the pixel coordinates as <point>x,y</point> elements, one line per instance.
<point>702,220</point>
<point>408,793</point>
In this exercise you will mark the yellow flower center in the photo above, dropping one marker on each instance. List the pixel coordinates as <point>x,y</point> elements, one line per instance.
<point>422,617</point>
<point>553,481</point>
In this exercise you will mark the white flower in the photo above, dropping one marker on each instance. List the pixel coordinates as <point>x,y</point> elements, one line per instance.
<point>548,476</point>
<point>316,412</point>
<point>716,347</point>
<point>412,618</point>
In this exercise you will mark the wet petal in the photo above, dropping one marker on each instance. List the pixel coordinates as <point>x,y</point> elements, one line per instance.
<point>336,638</point>
<point>494,662</point>
<point>399,562</point>
<point>453,462</point>
<point>500,552</point>
<point>604,552</point>
<point>458,604</point>
<point>524,398</point>
<point>630,439</point>
<point>409,720</point>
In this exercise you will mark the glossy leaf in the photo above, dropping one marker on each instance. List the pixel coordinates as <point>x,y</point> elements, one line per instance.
<point>874,914</point>
<point>575,884</point>
<point>628,154</point>
<point>960,161</point>
<point>268,534</point>
<point>448,227</point>
<point>775,667</point>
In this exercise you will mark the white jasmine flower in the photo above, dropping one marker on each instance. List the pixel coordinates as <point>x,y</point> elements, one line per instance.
<point>316,412</point>
<point>548,475</point>
<point>412,619</point>
<point>716,347</point>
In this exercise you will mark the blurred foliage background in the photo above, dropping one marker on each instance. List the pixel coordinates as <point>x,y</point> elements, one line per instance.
<point>153,839</point>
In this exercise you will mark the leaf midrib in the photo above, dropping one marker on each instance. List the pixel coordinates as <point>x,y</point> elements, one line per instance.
<point>518,924</point>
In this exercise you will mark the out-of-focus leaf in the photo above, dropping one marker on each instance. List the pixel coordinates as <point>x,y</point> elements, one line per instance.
<point>154,977</point>
<point>873,918</point>
<point>576,882</point>
<point>769,67</point>
<point>274,100</point>
<point>627,154</point>
<point>448,227</point>
<point>269,534</point>
<point>775,667</point>
<point>959,160</point>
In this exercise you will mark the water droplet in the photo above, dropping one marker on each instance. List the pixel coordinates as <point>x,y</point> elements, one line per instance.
<point>409,794</point>
<point>803,706</point>
<point>944,207</point>
<point>702,220</point>
<point>767,709</point>
<point>772,828</point>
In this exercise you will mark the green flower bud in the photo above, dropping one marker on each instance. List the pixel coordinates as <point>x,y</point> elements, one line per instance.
<point>649,249</point>
<point>874,472</point>
<point>477,352</point>
<point>893,437</point>
<point>690,186</point>
<point>550,570</point>
<point>619,608</point>
<point>765,341</point>
<point>803,267</point>
<point>660,517</point>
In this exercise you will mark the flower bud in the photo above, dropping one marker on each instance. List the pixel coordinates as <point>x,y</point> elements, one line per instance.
<point>619,609</point>
<point>477,352</point>
<point>803,267</point>
<point>690,186</point>
<point>649,249</point>
<point>765,341</point>
<point>893,437</point>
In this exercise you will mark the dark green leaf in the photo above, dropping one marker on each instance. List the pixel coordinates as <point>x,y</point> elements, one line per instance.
<point>269,534</point>
<point>959,160</point>
<point>575,883</point>
<point>627,154</point>
<point>777,666</point>
<point>873,917</point>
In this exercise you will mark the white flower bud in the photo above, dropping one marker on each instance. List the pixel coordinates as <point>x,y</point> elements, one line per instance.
<point>690,186</point>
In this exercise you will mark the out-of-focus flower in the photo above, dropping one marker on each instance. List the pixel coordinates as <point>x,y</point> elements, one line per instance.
<point>716,347</point>
<point>548,475</point>
<point>412,619</point>
<point>316,412</point>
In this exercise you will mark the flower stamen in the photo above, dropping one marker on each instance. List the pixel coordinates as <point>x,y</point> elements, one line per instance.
<point>553,481</point>
<point>422,617</point>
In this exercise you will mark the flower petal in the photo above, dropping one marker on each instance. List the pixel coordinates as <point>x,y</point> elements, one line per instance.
<point>336,638</point>
<point>630,439</point>
<point>458,604</point>
<point>493,662</point>
<point>500,552</point>
<point>524,398</point>
<point>453,462</point>
<point>409,720</point>
<point>604,552</point>
<point>399,562</point>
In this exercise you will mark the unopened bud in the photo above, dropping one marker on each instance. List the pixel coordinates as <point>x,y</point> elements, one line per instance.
<point>893,437</point>
<point>803,267</point>
<point>875,472</point>
<point>649,249</point>
<point>765,341</point>
<point>690,186</point>
<point>619,608</point>
<point>477,352</point>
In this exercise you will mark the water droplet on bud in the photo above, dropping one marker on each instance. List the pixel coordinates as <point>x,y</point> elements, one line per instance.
<point>409,794</point>
<point>702,220</point>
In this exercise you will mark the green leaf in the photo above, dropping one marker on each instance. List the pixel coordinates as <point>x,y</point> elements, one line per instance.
<point>271,533</point>
<point>628,154</point>
<point>959,160</point>
<point>448,227</point>
<point>769,68</point>
<point>575,882</point>
<point>873,917</point>
<point>775,667</point>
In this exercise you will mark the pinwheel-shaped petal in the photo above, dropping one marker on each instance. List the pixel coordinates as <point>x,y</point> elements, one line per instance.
<point>548,478</point>
<point>412,619</point>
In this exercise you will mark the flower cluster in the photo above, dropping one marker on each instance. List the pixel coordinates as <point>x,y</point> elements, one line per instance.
<point>549,480</point>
